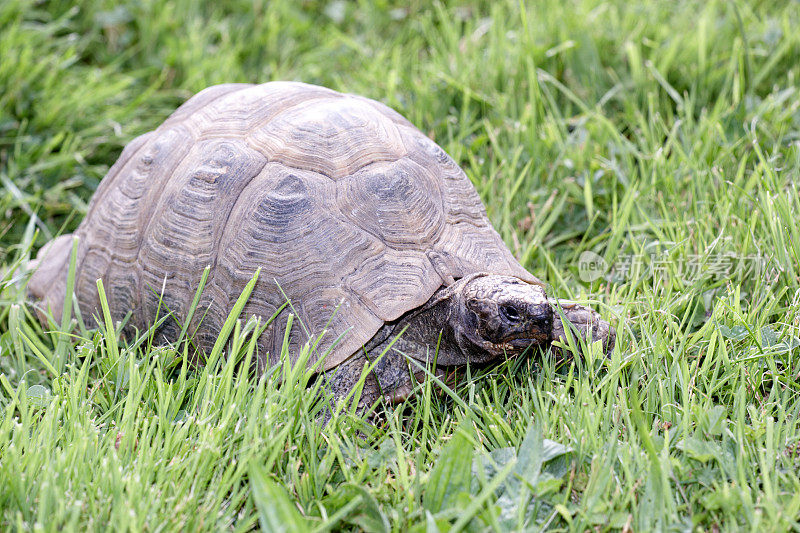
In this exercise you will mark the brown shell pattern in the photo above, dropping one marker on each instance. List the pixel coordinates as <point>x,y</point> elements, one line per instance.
<point>348,210</point>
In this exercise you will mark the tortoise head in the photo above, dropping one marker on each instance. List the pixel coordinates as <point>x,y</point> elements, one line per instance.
<point>493,315</point>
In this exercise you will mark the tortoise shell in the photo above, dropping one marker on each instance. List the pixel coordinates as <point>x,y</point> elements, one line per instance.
<point>350,212</point>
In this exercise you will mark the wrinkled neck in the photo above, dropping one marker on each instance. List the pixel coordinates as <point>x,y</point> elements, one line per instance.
<point>442,329</point>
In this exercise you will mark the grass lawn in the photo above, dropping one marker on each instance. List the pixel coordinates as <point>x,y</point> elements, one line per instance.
<point>661,136</point>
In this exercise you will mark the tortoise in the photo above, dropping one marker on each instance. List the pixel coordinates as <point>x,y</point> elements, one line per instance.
<point>357,219</point>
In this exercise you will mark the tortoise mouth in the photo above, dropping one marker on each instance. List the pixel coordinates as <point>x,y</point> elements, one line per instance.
<point>521,343</point>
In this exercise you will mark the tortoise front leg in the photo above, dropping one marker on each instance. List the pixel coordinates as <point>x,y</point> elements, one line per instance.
<point>390,378</point>
<point>342,379</point>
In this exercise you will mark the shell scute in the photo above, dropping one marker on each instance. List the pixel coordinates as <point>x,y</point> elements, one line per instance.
<point>334,137</point>
<point>235,113</point>
<point>303,250</point>
<point>189,221</point>
<point>396,201</point>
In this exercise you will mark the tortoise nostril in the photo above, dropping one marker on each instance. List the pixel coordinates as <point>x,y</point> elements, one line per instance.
<point>544,315</point>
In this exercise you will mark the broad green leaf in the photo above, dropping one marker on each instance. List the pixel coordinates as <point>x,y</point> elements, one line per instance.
<point>699,450</point>
<point>716,420</point>
<point>276,512</point>
<point>768,336</point>
<point>38,395</point>
<point>484,470</point>
<point>736,333</point>
<point>367,515</point>
<point>451,472</point>
<point>533,453</point>
<point>552,449</point>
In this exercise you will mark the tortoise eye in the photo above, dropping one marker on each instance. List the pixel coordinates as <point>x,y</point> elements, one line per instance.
<point>510,313</point>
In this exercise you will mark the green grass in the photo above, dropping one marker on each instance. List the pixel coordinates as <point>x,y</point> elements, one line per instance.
<point>663,135</point>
